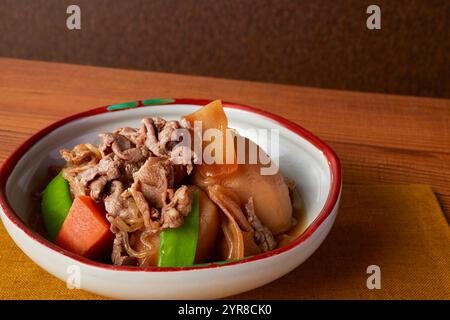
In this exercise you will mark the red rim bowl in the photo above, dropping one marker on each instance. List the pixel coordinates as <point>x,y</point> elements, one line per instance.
<point>333,195</point>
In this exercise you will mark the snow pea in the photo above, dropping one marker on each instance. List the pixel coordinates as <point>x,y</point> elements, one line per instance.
<point>55,205</point>
<point>178,246</point>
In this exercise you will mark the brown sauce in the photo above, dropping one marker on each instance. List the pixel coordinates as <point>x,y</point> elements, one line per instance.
<point>300,221</point>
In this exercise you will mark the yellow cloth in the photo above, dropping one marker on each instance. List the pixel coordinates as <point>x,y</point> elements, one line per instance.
<point>399,228</point>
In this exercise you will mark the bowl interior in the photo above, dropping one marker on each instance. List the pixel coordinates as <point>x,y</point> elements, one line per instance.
<point>299,160</point>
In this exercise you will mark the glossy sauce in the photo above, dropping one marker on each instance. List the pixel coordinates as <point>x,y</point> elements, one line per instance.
<point>300,221</point>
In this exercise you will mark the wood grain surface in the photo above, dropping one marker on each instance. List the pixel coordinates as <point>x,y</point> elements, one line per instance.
<point>379,138</point>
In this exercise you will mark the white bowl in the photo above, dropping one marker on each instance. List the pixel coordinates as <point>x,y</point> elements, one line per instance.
<point>303,158</point>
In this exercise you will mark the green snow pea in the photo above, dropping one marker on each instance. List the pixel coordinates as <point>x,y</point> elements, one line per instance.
<point>55,205</point>
<point>178,246</point>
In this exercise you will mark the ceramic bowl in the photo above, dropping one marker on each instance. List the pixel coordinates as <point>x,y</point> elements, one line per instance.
<point>303,158</point>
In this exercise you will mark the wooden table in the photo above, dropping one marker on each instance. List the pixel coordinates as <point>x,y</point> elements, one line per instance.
<point>379,138</point>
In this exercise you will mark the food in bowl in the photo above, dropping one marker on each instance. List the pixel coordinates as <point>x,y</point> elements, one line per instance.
<point>304,158</point>
<point>147,196</point>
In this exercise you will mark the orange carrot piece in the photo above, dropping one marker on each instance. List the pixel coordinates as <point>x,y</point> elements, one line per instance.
<point>86,231</point>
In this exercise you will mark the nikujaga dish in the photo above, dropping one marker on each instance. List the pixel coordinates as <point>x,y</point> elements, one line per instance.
<point>141,198</point>
<point>70,198</point>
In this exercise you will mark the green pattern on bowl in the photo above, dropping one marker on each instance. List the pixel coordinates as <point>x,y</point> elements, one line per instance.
<point>125,105</point>
<point>154,102</point>
<point>134,104</point>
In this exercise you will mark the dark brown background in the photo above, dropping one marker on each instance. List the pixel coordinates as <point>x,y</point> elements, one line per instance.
<point>323,43</point>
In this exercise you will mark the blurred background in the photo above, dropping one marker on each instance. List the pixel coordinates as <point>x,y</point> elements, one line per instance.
<point>319,43</point>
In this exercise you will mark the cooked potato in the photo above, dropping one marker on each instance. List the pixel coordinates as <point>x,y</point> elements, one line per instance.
<point>270,193</point>
<point>209,224</point>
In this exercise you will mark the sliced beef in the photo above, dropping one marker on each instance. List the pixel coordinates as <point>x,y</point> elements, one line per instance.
<point>134,135</point>
<point>154,179</point>
<point>263,237</point>
<point>114,203</point>
<point>179,207</point>
<point>81,154</point>
<point>151,136</point>
<point>107,169</point>
<point>76,187</point>
<point>128,170</point>
<point>134,173</point>
<point>81,158</point>
<point>119,254</point>
<point>119,204</point>
<point>97,186</point>
<point>158,135</point>
<point>132,155</point>
<point>87,175</point>
<point>154,135</point>
<point>122,147</point>
<point>154,194</point>
<point>106,141</point>
<point>108,166</point>
<point>165,136</point>
<point>143,205</point>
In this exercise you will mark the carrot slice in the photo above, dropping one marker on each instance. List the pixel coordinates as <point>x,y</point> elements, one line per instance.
<point>86,231</point>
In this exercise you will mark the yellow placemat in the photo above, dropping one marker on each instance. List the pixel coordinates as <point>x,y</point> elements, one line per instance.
<point>401,229</point>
